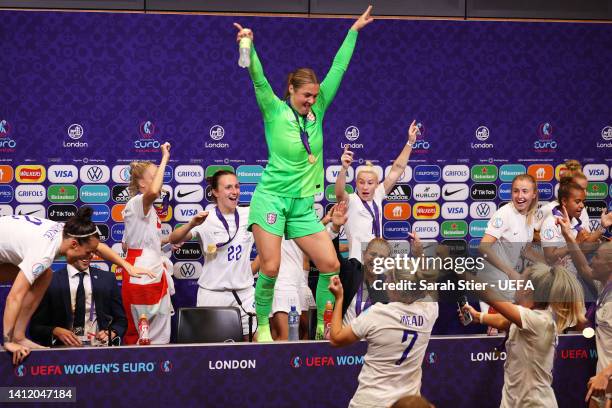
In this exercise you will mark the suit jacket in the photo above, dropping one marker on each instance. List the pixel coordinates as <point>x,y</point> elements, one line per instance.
<point>55,309</point>
<point>351,275</point>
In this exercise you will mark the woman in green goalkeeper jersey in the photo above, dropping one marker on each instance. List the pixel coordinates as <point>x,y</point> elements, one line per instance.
<point>283,201</point>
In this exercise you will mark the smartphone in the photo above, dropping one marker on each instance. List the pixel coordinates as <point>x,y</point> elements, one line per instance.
<point>166,247</point>
<point>467,317</point>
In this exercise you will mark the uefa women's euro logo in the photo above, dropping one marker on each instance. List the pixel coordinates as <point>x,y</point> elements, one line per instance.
<point>7,144</point>
<point>146,143</point>
<point>545,142</point>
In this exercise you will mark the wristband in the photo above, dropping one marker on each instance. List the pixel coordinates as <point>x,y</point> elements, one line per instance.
<point>482,314</point>
<point>408,143</point>
<point>332,234</point>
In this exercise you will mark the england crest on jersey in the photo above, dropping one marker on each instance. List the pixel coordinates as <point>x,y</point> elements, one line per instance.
<point>271,218</point>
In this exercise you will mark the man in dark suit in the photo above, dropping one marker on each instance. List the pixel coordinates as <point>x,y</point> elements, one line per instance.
<point>78,297</point>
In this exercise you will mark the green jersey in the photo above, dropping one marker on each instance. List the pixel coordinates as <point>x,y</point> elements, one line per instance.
<point>288,172</point>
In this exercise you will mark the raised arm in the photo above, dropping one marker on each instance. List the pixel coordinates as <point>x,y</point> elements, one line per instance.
<point>580,261</point>
<point>332,80</point>
<point>399,165</point>
<point>494,320</point>
<point>106,253</point>
<point>181,234</point>
<point>339,336</point>
<point>346,159</point>
<point>266,99</point>
<point>154,189</point>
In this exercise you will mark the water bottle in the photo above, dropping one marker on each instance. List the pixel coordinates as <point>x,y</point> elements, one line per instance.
<point>294,324</point>
<point>245,52</point>
<point>327,317</point>
<point>143,331</point>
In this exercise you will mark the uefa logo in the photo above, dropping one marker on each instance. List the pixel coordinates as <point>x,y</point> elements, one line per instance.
<point>216,132</point>
<point>5,128</point>
<point>75,131</point>
<point>147,129</point>
<point>482,133</point>
<point>545,130</point>
<point>606,133</point>
<point>352,133</point>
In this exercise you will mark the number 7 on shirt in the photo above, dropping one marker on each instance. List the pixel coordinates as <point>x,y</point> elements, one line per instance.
<point>410,345</point>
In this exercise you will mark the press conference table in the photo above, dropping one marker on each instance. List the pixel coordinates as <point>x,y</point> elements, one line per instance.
<point>288,374</point>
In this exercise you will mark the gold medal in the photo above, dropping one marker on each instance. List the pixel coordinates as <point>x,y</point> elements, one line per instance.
<point>311,158</point>
<point>211,249</point>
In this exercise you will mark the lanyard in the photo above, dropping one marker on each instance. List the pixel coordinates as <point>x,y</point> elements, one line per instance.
<point>303,134</point>
<point>368,301</point>
<point>226,225</point>
<point>375,217</point>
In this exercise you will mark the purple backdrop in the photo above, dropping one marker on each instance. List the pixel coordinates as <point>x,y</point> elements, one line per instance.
<point>89,92</point>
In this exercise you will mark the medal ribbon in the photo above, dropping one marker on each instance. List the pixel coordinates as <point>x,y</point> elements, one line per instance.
<point>226,225</point>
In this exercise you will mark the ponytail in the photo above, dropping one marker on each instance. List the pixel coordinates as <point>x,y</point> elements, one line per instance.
<point>80,227</point>
<point>560,290</point>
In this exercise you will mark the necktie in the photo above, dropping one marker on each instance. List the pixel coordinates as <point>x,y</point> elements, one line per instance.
<point>79,306</point>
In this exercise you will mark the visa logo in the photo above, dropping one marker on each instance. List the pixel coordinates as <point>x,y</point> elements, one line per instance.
<point>455,210</point>
<point>189,212</point>
<point>596,172</point>
<point>62,173</point>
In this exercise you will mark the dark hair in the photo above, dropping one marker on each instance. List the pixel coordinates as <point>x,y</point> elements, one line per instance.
<point>213,181</point>
<point>80,227</point>
<point>299,78</point>
<point>566,186</point>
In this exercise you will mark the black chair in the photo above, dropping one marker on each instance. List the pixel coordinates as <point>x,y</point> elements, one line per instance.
<point>212,324</point>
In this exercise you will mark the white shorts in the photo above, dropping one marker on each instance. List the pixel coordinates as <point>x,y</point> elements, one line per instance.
<point>285,297</point>
<point>226,298</point>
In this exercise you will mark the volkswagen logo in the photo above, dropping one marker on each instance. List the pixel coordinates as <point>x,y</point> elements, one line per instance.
<point>187,270</point>
<point>94,173</point>
<point>483,210</point>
